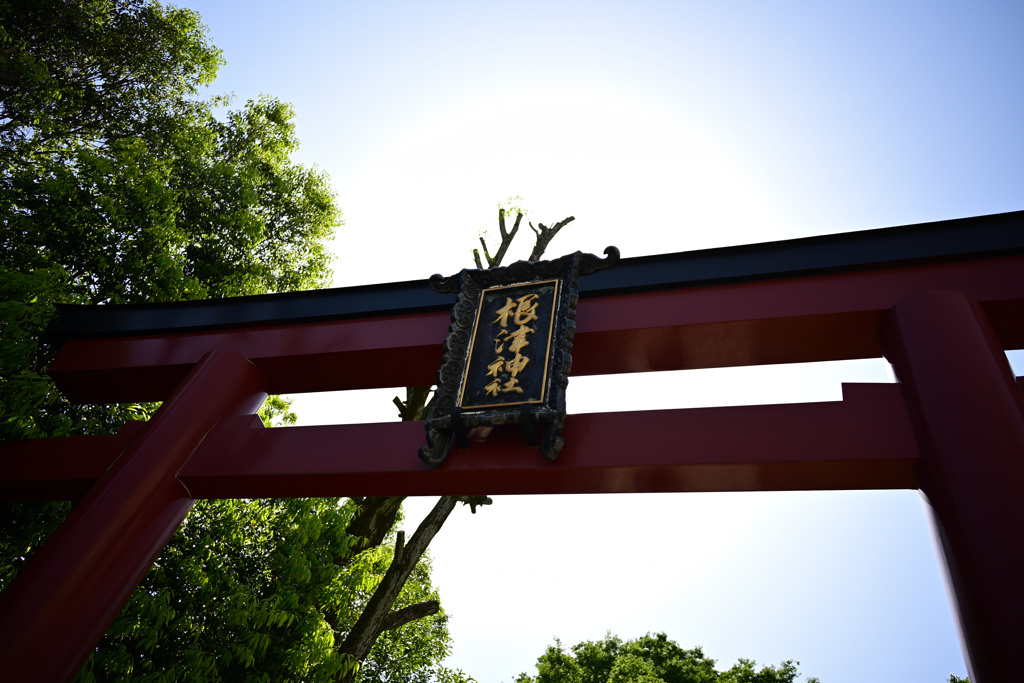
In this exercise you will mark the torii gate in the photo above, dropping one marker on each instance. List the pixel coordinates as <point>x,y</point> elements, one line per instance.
<point>941,301</point>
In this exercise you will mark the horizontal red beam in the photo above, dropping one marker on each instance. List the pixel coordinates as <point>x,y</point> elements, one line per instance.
<point>862,442</point>
<point>59,468</point>
<point>829,317</point>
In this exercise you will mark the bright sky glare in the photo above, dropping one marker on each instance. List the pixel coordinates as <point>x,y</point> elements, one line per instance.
<point>662,126</point>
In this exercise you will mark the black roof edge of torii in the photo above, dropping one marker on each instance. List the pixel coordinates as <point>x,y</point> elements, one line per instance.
<point>941,241</point>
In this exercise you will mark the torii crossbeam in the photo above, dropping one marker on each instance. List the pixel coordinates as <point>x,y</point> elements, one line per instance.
<point>940,301</point>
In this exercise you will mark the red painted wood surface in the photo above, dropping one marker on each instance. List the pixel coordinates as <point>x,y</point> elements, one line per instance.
<point>61,603</point>
<point>59,468</point>
<point>969,415</point>
<point>829,317</point>
<point>965,419</point>
<point>863,442</point>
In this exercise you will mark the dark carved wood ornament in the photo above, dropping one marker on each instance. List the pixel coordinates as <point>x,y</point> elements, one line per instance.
<point>509,351</point>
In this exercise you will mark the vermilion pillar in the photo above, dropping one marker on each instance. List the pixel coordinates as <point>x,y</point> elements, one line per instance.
<point>969,417</point>
<point>58,608</point>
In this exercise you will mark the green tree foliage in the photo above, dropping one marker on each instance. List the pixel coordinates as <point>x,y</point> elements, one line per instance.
<point>118,184</point>
<point>649,659</point>
<point>217,209</point>
<point>95,70</point>
<point>265,591</point>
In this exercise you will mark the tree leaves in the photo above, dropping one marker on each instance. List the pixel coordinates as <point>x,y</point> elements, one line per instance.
<point>248,588</point>
<point>95,69</point>
<point>119,185</point>
<point>648,659</point>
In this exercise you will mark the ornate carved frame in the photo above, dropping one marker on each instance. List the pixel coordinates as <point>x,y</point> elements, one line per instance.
<point>446,415</point>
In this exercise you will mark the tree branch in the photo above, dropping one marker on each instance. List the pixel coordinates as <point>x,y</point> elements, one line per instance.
<point>375,518</point>
<point>506,237</point>
<point>399,545</point>
<point>506,240</point>
<point>545,235</point>
<point>362,636</point>
<point>416,405</point>
<point>487,254</point>
<point>372,621</point>
<point>376,616</point>
<point>403,616</point>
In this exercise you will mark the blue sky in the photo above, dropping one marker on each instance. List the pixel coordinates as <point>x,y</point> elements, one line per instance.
<point>662,127</point>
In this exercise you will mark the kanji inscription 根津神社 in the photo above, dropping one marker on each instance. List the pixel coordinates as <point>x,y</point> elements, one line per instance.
<point>509,350</point>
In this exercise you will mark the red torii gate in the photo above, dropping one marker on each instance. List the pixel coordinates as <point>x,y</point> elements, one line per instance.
<point>940,301</point>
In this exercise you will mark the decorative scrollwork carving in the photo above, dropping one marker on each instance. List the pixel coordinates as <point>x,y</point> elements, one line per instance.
<point>469,285</point>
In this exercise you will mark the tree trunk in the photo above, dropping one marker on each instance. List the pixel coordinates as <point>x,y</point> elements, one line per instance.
<point>377,615</point>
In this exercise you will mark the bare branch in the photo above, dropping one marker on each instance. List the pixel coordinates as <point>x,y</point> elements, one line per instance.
<point>399,545</point>
<point>487,254</point>
<point>506,237</point>
<point>375,518</point>
<point>545,235</point>
<point>370,623</point>
<point>473,501</point>
<point>376,616</point>
<point>376,613</point>
<point>416,405</point>
<point>411,613</point>
<point>506,241</point>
